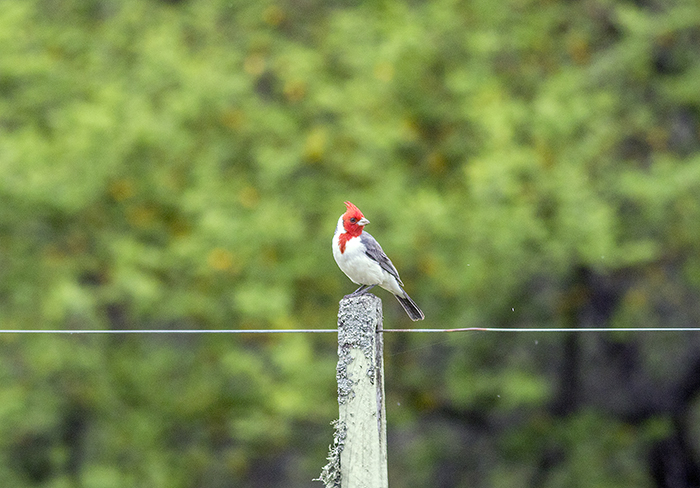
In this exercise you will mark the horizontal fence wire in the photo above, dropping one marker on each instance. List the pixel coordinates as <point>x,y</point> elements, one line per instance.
<point>545,329</point>
<point>172,331</point>
<point>333,331</point>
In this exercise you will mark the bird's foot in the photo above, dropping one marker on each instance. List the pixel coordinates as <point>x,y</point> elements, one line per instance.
<point>367,289</point>
<point>362,290</point>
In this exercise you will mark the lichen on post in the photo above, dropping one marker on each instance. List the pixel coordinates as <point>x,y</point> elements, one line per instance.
<point>358,457</point>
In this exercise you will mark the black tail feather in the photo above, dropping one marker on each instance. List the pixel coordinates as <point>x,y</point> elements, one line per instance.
<point>410,307</point>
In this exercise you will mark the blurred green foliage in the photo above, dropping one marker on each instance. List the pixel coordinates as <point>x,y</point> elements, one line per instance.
<point>182,164</point>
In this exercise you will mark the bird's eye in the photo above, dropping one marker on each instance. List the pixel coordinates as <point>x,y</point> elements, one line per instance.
<point>353,220</point>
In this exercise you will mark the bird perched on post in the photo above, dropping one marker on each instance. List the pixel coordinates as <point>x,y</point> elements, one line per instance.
<point>362,259</point>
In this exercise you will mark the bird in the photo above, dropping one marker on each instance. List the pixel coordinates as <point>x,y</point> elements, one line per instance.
<point>363,260</point>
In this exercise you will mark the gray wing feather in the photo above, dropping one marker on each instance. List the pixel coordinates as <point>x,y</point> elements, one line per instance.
<point>375,251</point>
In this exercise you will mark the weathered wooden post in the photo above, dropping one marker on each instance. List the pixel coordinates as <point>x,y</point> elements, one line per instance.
<point>358,457</point>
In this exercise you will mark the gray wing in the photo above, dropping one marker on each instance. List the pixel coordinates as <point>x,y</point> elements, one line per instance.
<point>375,251</point>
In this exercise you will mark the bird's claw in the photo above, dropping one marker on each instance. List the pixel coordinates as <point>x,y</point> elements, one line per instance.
<point>362,290</point>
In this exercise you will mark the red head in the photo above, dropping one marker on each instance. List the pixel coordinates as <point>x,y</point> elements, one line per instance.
<point>353,220</point>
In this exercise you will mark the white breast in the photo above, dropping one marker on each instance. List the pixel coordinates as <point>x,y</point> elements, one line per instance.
<point>359,267</point>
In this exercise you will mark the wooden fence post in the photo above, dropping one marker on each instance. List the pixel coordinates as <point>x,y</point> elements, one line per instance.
<point>358,456</point>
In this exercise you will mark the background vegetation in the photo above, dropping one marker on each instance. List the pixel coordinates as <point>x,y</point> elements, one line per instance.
<point>182,164</point>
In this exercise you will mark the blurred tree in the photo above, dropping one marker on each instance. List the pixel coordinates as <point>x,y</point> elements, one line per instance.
<point>182,165</point>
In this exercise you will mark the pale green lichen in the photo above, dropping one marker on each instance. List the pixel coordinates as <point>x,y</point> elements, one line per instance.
<point>330,473</point>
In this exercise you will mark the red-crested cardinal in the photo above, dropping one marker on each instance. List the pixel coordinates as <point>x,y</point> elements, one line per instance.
<point>362,259</point>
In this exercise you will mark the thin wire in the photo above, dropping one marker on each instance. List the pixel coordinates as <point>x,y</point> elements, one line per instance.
<point>589,329</point>
<point>174,331</point>
<point>334,331</point>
